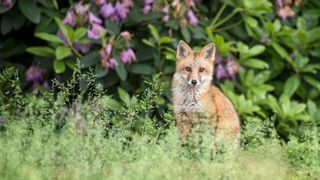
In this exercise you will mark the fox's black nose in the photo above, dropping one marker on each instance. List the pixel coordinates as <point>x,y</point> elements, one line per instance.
<point>194,82</point>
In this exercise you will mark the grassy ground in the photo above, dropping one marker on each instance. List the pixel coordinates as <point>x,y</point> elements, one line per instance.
<point>32,147</point>
<point>51,137</point>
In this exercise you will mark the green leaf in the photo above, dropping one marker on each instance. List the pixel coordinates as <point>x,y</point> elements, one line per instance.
<point>59,66</point>
<point>252,22</point>
<point>79,33</point>
<point>112,27</point>
<point>314,35</point>
<point>165,39</point>
<point>312,81</point>
<point>280,50</point>
<point>301,24</point>
<point>62,52</point>
<point>43,51</point>
<point>142,69</point>
<point>255,63</point>
<point>312,107</point>
<point>257,49</point>
<point>291,85</point>
<point>89,59</point>
<point>6,23</point>
<point>63,28</point>
<point>49,37</point>
<point>111,104</point>
<point>124,96</point>
<point>149,43</point>
<point>121,71</point>
<point>277,25</point>
<point>30,10</point>
<point>154,32</point>
<point>186,34</point>
<point>19,21</point>
<point>99,71</point>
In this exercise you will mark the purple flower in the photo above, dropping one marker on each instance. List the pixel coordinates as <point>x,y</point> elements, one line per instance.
<point>108,49</point>
<point>279,3</point>
<point>221,72</point>
<point>7,3</point>
<point>193,20</point>
<point>46,85</point>
<point>82,47</point>
<point>112,63</point>
<point>285,12</point>
<point>107,10</point>
<point>95,31</point>
<point>175,3</point>
<point>148,1</point>
<point>166,18</point>
<point>165,10</point>
<point>121,11</point>
<point>232,67</point>
<point>105,53</point>
<point>70,19</point>
<point>81,9</point>
<point>126,36</point>
<point>147,6</point>
<point>94,19</point>
<point>100,2</point>
<point>127,56</point>
<point>147,9</point>
<point>34,74</point>
<point>127,4</point>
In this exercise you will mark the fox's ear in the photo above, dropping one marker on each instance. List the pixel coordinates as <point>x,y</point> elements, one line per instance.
<point>183,50</point>
<point>208,51</point>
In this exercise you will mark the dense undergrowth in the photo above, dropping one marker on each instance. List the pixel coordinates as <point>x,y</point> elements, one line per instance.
<point>58,135</point>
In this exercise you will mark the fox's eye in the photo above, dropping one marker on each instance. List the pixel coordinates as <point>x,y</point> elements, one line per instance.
<point>201,69</point>
<point>188,69</point>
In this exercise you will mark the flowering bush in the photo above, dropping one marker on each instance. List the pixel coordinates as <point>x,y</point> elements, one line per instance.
<point>267,61</point>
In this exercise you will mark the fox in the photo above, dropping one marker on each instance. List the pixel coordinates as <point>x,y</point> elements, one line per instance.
<point>196,99</point>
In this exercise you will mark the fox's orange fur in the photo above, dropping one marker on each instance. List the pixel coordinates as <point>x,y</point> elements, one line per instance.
<point>195,98</point>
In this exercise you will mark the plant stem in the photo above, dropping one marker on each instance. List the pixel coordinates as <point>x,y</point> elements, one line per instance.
<point>230,26</point>
<point>218,14</point>
<point>234,12</point>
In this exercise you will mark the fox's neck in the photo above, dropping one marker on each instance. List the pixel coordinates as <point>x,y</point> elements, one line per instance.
<point>196,91</point>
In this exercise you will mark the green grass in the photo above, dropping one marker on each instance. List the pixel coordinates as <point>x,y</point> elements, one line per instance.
<point>51,137</point>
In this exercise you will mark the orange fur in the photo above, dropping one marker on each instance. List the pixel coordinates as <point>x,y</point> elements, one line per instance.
<point>194,97</point>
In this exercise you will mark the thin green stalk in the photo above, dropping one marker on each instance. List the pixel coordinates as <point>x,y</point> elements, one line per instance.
<point>234,12</point>
<point>218,14</point>
<point>230,26</point>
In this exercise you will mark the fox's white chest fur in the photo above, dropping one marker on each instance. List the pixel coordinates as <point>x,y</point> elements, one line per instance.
<point>187,100</point>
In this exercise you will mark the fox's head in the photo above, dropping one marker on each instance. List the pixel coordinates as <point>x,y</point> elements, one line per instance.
<point>195,68</point>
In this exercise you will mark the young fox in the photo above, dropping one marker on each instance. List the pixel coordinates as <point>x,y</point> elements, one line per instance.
<point>194,98</point>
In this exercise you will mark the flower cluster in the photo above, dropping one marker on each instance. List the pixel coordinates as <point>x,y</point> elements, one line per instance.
<point>183,12</point>
<point>6,3</point>
<point>226,68</point>
<point>284,9</point>
<point>81,14</point>
<point>105,57</point>
<point>127,56</point>
<point>165,11</point>
<point>147,7</point>
<point>115,12</point>
<point>35,75</point>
